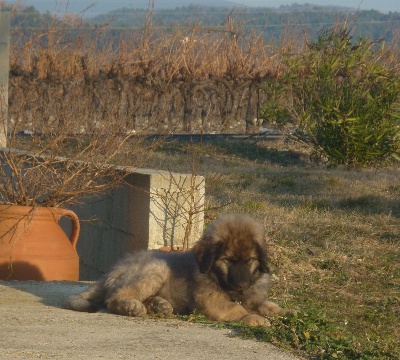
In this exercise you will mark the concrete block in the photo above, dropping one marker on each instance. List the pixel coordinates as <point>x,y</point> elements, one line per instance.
<point>151,210</point>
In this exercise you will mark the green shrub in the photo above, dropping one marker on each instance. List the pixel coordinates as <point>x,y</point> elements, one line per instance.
<point>342,97</point>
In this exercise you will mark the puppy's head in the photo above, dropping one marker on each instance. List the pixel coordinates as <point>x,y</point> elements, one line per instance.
<point>234,249</point>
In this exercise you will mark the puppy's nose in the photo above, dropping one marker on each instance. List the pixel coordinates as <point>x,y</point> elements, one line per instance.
<point>243,287</point>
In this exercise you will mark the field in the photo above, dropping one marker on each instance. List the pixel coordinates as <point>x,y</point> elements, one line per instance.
<point>333,235</point>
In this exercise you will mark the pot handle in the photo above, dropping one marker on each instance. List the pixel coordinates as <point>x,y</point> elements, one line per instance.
<point>76,227</point>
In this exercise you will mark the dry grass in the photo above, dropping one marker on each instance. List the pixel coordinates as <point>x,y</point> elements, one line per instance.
<point>334,234</point>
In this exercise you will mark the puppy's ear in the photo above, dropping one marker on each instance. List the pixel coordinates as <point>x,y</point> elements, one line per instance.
<point>262,258</point>
<point>206,253</point>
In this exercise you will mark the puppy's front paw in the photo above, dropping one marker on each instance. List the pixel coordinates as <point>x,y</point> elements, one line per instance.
<point>159,305</point>
<point>255,320</point>
<point>269,308</point>
<point>127,307</point>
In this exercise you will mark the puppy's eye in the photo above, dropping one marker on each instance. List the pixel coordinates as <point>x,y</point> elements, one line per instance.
<point>227,260</point>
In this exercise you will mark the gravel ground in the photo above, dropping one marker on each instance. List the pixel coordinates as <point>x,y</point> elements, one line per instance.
<point>34,326</point>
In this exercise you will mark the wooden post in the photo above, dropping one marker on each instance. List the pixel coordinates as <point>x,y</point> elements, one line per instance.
<point>4,71</point>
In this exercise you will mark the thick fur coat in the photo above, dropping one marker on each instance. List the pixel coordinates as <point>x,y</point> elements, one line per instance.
<point>224,277</point>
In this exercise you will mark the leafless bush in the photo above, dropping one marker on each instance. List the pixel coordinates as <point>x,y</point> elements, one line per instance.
<point>198,79</point>
<point>65,153</point>
<point>64,128</point>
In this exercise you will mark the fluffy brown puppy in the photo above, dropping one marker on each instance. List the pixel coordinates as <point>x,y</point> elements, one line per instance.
<point>224,277</point>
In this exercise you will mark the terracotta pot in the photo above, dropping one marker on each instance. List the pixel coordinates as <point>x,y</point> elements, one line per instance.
<point>34,247</point>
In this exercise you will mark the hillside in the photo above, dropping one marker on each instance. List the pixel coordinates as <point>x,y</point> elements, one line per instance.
<point>272,22</point>
<point>90,8</point>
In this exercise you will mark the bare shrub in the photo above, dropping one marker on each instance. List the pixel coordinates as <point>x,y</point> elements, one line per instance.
<point>64,155</point>
<point>59,148</point>
<point>195,79</point>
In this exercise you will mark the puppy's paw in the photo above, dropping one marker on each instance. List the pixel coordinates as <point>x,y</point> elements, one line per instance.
<point>159,305</point>
<point>288,311</point>
<point>255,320</point>
<point>127,307</point>
<point>269,308</point>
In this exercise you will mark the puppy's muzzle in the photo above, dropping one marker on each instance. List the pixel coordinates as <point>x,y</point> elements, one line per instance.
<point>239,276</point>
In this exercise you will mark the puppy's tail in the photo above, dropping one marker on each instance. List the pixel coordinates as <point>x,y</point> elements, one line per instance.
<point>91,300</point>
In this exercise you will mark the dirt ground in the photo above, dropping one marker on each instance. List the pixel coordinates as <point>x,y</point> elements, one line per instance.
<point>35,326</point>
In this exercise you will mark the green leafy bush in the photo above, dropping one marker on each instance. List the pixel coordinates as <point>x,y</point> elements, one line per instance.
<point>342,97</point>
